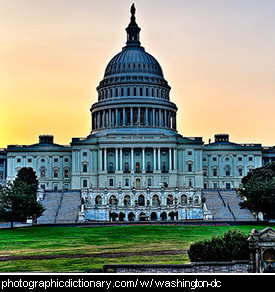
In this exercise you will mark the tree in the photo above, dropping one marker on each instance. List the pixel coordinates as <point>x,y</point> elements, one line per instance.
<point>27,175</point>
<point>13,199</point>
<point>18,200</point>
<point>258,191</point>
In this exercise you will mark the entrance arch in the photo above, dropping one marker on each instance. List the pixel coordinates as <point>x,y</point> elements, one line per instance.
<point>163,216</point>
<point>154,216</point>
<point>143,217</point>
<point>131,216</point>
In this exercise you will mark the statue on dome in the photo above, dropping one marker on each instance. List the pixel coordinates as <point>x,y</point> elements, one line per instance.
<point>133,9</point>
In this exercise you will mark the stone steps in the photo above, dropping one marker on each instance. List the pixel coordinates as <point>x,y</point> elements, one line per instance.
<point>60,207</point>
<point>224,205</point>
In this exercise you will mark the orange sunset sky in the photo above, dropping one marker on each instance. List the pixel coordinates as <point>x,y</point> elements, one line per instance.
<point>217,55</point>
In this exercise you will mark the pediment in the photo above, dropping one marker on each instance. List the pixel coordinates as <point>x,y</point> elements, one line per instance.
<point>268,234</point>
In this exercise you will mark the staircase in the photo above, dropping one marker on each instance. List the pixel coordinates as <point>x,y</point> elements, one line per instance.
<point>232,200</point>
<point>69,208</point>
<point>61,207</point>
<point>224,205</point>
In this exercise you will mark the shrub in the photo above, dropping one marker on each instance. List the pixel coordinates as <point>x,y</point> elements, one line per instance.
<point>232,245</point>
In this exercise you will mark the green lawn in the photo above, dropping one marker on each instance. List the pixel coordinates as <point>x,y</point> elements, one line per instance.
<point>85,240</point>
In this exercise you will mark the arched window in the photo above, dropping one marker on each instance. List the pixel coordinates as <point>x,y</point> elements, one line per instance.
<point>183,199</point>
<point>98,200</point>
<point>227,170</point>
<point>113,200</point>
<point>155,200</point>
<point>170,200</point>
<point>141,200</point>
<point>127,200</point>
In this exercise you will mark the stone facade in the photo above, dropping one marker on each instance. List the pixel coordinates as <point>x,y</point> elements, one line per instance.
<point>225,163</point>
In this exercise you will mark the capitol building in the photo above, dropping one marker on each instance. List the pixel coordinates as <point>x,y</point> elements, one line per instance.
<point>134,165</point>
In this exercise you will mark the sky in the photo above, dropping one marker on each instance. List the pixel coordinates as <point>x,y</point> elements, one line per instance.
<point>217,55</point>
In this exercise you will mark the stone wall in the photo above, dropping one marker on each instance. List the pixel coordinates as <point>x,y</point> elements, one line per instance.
<point>199,267</point>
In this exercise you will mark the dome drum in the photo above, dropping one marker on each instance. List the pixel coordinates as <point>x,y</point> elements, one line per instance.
<point>134,116</point>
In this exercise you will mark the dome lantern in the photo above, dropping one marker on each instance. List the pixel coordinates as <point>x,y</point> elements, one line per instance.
<point>133,29</point>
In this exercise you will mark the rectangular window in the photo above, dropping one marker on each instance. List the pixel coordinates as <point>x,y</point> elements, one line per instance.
<point>214,172</point>
<point>29,160</point>
<point>18,160</point>
<point>66,173</point>
<point>42,172</point>
<point>126,182</point>
<point>55,173</point>
<point>111,182</point>
<point>189,166</point>
<point>85,168</point>
<point>85,183</point>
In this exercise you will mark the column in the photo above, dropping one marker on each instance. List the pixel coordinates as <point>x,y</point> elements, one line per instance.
<point>170,159</point>
<point>120,156</point>
<point>124,116</point>
<point>160,120</point>
<point>139,116</point>
<point>110,119</point>
<point>154,118</point>
<point>116,119</point>
<point>116,159</point>
<point>143,159</point>
<point>158,158</point>
<point>165,118</point>
<point>146,116</point>
<point>132,159</point>
<point>175,159</point>
<point>100,159</point>
<point>99,119</point>
<point>155,165</point>
<point>105,159</point>
<point>131,117</point>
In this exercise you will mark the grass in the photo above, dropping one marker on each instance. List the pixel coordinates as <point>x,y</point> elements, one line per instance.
<point>79,240</point>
